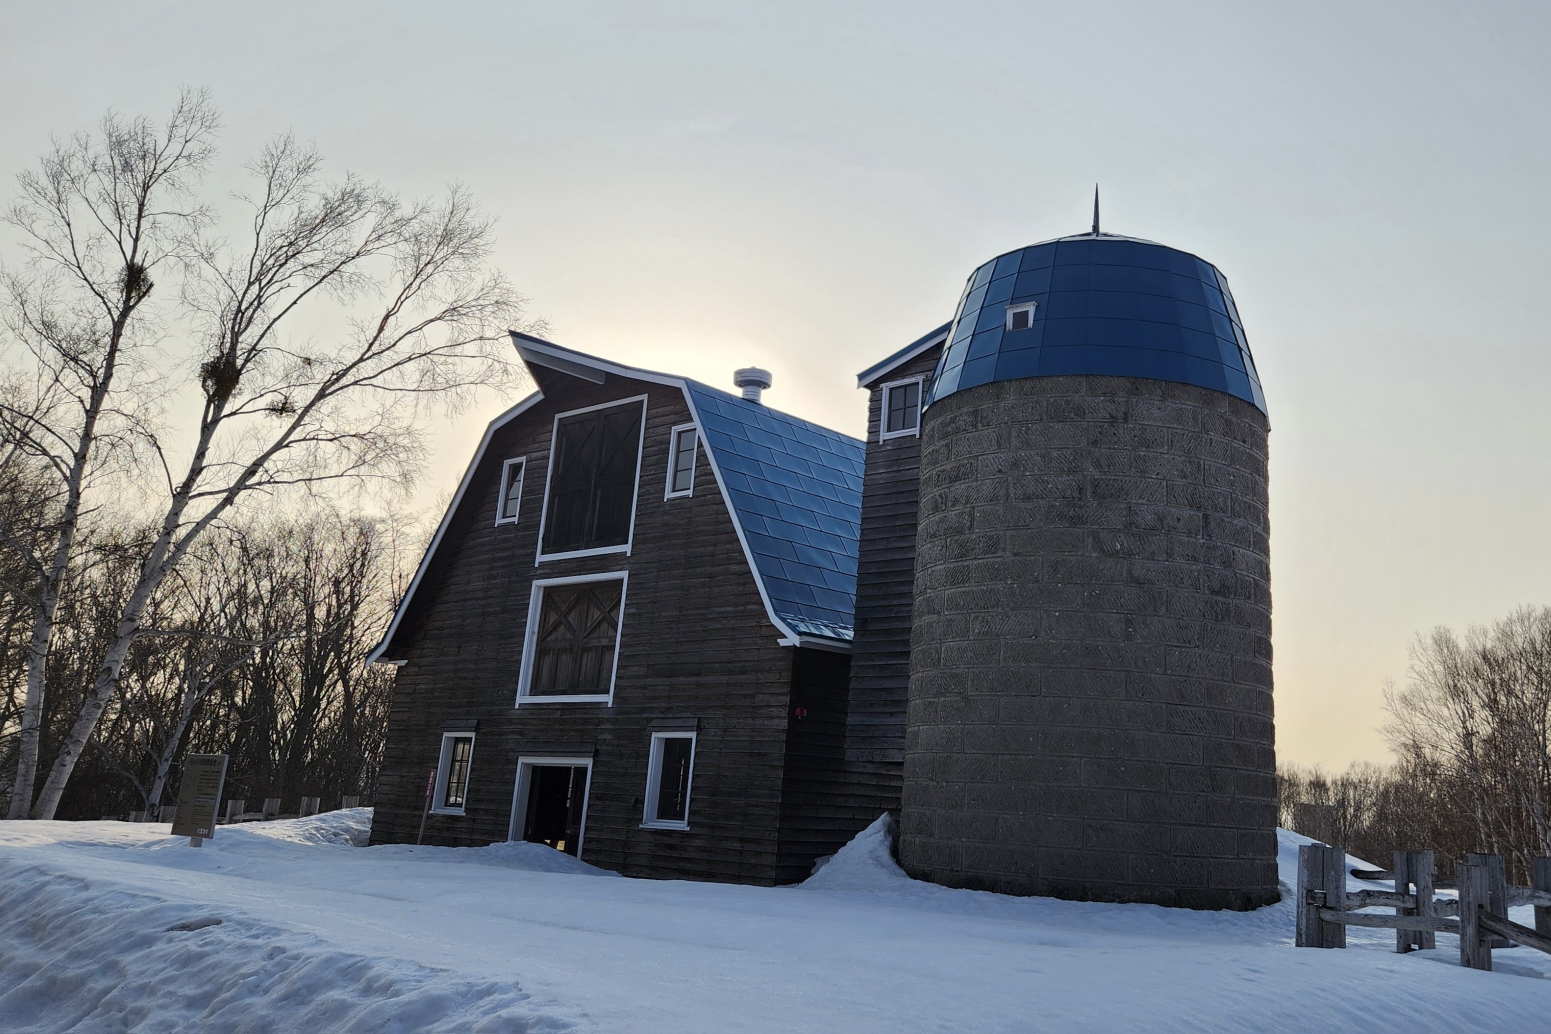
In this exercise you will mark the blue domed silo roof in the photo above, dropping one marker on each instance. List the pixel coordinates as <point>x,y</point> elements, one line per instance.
<point>1103,304</point>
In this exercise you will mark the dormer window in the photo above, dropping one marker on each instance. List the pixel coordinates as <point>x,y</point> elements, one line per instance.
<point>681,461</point>
<point>1020,316</point>
<point>901,409</point>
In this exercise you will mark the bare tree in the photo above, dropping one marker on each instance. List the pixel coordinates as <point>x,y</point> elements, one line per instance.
<point>1477,710</point>
<point>102,218</point>
<point>320,338</point>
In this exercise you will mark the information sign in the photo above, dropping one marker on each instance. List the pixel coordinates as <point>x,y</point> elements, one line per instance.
<point>204,777</point>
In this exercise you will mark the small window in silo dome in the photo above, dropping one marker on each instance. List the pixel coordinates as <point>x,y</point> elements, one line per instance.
<point>1021,316</point>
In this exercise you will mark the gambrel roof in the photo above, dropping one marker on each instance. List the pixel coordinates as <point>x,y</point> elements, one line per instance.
<point>792,488</point>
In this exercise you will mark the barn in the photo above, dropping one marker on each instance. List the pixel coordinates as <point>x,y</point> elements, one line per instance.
<point>680,634</point>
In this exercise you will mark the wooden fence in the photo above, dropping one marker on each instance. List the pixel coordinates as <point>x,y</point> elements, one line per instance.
<point>1478,917</point>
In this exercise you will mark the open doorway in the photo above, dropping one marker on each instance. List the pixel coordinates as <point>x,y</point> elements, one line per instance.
<point>550,805</point>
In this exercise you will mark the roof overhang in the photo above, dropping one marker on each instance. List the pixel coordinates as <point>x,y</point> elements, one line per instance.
<point>874,374</point>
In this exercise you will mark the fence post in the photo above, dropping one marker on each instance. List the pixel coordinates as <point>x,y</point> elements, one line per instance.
<point>1405,940</point>
<point>1311,868</point>
<point>346,803</point>
<point>234,808</point>
<point>1422,876</point>
<point>1475,891</point>
<point>1497,890</point>
<point>271,808</point>
<point>1540,879</point>
<point>1335,894</point>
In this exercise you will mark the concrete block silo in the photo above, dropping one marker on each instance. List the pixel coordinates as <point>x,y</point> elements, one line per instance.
<point>1090,708</point>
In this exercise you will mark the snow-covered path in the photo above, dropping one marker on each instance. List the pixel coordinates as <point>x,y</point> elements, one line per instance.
<point>318,935</point>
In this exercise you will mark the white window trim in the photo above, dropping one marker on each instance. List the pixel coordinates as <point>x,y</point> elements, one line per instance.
<point>530,639</point>
<point>635,496</point>
<point>673,455</point>
<point>883,413</point>
<point>521,463</point>
<point>444,770</point>
<point>1027,307</point>
<point>654,771</point>
<point>525,765</point>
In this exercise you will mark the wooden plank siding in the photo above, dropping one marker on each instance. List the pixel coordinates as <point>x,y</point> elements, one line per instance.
<point>696,643</point>
<point>885,592</point>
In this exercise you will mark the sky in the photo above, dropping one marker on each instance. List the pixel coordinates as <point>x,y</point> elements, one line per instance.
<point>694,187</point>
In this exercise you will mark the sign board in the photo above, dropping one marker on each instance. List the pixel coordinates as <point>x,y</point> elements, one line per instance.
<point>204,776</point>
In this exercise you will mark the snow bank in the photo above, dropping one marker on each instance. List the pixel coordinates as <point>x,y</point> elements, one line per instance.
<point>81,956</point>
<point>866,863</point>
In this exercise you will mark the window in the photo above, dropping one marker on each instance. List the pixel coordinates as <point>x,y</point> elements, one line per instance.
<point>511,490</point>
<point>572,644</point>
<point>452,773</point>
<point>589,501</point>
<point>1021,316</point>
<point>681,461</point>
<point>550,804</point>
<point>901,409</point>
<point>667,780</point>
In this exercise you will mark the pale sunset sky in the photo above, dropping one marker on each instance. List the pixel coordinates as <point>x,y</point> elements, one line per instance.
<point>693,187</point>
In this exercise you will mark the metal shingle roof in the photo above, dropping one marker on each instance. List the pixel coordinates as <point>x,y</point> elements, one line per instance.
<point>797,490</point>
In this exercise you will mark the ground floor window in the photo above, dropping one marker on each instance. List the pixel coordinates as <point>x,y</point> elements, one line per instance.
<point>550,805</point>
<point>668,776</point>
<point>452,772</point>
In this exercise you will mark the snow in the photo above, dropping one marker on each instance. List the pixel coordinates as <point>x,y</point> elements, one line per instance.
<point>294,926</point>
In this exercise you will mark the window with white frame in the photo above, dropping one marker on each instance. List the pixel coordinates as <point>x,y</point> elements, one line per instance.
<point>572,643</point>
<point>1020,316</point>
<point>511,490</point>
<point>668,776</point>
<point>901,408</point>
<point>681,461</point>
<point>452,773</point>
<point>589,498</point>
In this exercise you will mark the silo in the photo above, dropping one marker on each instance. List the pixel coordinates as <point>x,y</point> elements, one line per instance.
<point>1090,706</point>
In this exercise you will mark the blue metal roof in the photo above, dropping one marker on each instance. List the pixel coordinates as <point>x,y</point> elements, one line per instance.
<point>1103,305</point>
<point>797,491</point>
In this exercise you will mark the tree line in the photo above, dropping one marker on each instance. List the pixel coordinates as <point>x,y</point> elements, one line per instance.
<point>1471,732</point>
<point>196,388</point>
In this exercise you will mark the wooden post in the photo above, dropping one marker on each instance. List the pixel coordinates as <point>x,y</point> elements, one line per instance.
<point>1405,940</point>
<point>1497,889</point>
<point>234,809</point>
<point>1475,891</point>
<point>1321,882</point>
<point>271,808</point>
<point>1540,879</point>
<point>1422,878</point>
<point>1334,934</point>
<point>309,806</point>
<point>1311,868</point>
<point>346,803</point>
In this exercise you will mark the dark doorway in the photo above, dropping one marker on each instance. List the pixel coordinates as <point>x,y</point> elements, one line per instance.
<point>556,796</point>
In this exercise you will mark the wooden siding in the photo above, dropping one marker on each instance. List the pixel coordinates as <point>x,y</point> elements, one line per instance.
<point>885,588</point>
<point>696,645</point>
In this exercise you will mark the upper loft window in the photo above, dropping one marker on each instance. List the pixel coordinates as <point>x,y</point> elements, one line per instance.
<point>901,409</point>
<point>589,502</point>
<point>681,461</point>
<point>572,645</point>
<point>511,490</point>
<point>1021,316</point>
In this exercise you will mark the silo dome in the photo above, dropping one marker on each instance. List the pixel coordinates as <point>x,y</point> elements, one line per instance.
<point>1089,711</point>
<point>1099,304</point>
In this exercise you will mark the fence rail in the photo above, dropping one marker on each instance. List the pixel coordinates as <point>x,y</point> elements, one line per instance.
<point>1326,908</point>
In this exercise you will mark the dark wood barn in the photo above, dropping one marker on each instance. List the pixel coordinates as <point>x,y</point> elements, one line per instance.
<point>631,636</point>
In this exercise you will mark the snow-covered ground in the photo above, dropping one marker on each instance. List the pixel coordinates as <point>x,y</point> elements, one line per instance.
<point>291,926</point>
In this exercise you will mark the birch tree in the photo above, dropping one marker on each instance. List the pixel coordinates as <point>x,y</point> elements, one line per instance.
<point>102,219</point>
<point>311,342</point>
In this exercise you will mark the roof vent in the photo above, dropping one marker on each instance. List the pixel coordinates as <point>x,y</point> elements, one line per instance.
<point>752,380</point>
